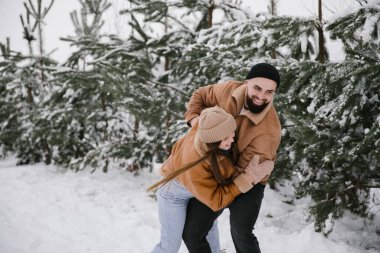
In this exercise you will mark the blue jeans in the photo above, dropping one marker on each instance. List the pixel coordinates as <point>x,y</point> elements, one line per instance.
<point>172,205</point>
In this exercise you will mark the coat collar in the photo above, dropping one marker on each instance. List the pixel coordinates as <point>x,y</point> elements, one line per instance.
<point>239,95</point>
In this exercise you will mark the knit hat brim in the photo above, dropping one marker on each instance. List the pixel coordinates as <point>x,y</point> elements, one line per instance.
<point>223,125</point>
<point>264,70</point>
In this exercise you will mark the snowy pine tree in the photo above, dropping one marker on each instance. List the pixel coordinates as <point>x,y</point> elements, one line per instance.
<point>25,85</point>
<point>333,110</point>
<point>290,37</point>
<point>11,95</point>
<point>81,108</point>
<point>165,49</point>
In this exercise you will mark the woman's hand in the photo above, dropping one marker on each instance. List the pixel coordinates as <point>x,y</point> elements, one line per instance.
<point>255,172</point>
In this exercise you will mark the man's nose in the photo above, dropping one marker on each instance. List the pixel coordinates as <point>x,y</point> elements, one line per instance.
<point>261,95</point>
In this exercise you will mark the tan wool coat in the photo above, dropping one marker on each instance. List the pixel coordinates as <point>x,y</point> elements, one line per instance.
<point>256,134</point>
<point>199,179</point>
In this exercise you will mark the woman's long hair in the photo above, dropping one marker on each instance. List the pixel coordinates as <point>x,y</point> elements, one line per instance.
<point>212,153</point>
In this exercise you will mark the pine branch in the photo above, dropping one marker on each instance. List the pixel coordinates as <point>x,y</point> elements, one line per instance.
<point>170,86</point>
<point>179,22</point>
<point>288,126</point>
<point>34,13</point>
<point>125,122</point>
<point>177,116</point>
<point>375,205</point>
<point>46,10</point>
<point>345,190</point>
<point>138,28</point>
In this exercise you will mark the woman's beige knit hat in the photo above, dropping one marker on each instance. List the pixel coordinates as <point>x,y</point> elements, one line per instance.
<point>215,124</point>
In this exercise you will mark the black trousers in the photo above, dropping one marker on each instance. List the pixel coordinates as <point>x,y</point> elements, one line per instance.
<point>244,211</point>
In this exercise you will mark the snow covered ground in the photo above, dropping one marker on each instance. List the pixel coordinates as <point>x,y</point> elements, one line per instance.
<point>45,209</point>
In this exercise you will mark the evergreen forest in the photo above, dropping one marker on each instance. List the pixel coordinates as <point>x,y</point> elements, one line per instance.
<point>119,102</point>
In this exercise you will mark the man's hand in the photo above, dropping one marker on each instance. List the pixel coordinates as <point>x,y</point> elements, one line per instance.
<point>194,121</point>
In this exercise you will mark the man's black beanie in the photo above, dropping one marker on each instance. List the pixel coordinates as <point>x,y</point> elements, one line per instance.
<point>264,70</point>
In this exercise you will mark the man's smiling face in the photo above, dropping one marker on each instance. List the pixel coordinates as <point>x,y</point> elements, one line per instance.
<point>260,92</point>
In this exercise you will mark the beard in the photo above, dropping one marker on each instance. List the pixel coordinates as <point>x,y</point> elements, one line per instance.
<point>255,108</point>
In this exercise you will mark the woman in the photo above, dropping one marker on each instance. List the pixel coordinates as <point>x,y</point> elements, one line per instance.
<point>202,168</point>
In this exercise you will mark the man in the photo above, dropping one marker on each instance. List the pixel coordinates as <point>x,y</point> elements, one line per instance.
<point>258,133</point>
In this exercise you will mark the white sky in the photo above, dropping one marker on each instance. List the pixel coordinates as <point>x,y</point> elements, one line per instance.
<point>58,22</point>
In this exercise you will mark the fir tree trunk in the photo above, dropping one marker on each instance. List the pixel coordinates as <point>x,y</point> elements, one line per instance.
<point>29,98</point>
<point>134,166</point>
<point>321,42</point>
<point>136,129</point>
<point>104,108</point>
<point>28,35</point>
<point>47,152</point>
<point>210,12</point>
<point>30,48</point>
<point>40,28</point>
<point>273,12</point>
<point>41,55</point>
<point>38,14</point>
<point>167,61</point>
<point>40,37</point>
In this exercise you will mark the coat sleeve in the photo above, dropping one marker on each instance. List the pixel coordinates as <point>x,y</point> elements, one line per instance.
<point>265,146</point>
<point>202,98</point>
<point>202,184</point>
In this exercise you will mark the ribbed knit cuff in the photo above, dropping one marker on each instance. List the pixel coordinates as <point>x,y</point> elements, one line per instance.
<point>242,183</point>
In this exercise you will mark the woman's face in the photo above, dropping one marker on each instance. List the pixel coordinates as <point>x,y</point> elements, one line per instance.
<point>227,142</point>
